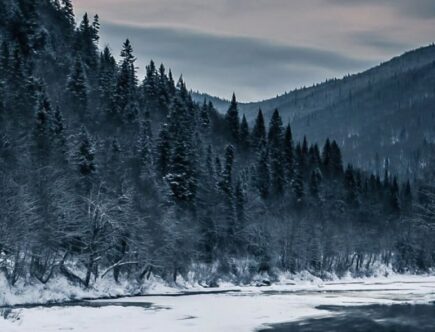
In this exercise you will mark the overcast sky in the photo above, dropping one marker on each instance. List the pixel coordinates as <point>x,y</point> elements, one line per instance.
<point>261,48</point>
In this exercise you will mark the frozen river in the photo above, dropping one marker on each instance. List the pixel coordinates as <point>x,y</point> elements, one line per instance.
<point>399,304</point>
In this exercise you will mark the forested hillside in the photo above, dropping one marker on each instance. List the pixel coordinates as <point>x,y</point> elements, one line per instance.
<point>105,174</point>
<point>384,113</point>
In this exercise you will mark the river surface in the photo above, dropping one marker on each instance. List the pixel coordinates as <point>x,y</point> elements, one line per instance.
<point>373,318</point>
<point>372,305</point>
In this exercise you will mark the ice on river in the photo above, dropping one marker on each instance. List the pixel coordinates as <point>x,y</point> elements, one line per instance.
<point>241,309</point>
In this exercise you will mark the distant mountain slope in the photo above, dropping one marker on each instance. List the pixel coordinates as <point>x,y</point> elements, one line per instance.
<point>387,111</point>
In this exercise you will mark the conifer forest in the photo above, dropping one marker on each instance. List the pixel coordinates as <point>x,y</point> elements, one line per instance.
<point>106,174</point>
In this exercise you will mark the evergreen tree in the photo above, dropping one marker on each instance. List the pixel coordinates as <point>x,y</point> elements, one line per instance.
<point>350,187</point>
<point>163,91</point>
<point>233,121</point>
<point>315,179</point>
<point>78,90</point>
<point>305,147</point>
<point>204,117</point>
<point>298,187</point>
<point>181,177</point>
<point>58,132</point>
<point>106,82</point>
<point>275,140</point>
<point>125,107</point>
<point>275,131</point>
<point>288,151</point>
<point>394,194</point>
<point>21,92</point>
<point>326,158</point>
<point>85,154</point>
<point>114,166</point>
<point>96,29</point>
<point>150,90</point>
<point>42,133</point>
<point>315,160</point>
<point>240,201</point>
<point>210,167</point>
<point>144,151</point>
<point>301,161</point>
<point>259,131</point>
<point>241,217</point>
<point>336,160</point>
<point>245,141</point>
<point>87,38</point>
<point>226,184</point>
<point>263,174</point>
<point>68,12</point>
<point>163,152</point>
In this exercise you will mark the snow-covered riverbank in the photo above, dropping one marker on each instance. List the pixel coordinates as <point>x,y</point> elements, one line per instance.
<point>243,309</point>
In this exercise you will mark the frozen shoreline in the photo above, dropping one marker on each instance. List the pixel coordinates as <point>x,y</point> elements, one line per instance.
<point>60,290</point>
<point>247,308</point>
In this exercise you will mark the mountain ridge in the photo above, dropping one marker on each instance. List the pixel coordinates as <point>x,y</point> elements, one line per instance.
<point>370,101</point>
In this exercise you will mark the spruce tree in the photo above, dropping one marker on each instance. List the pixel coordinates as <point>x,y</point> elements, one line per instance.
<point>181,177</point>
<point>240,201</point>
<point>259,131</point>
<point>326,158</point>
<point>96,29</point>
<point>301,161</point>
<point>144,151</point>
<point>298,187</point>
<point>150,90</point>
<point>87,38</point>
<point>85,154</point>
<point>315,183</point>
<point>59,135</point>
<point>350,187</point>
<point>263,174</point>
<point>336,160</point>
<point>394,194</point>
<point>288,151</point>
<point>275,140</point>
<point>125,107</point>
<point>226,185</point>
<point>42,132</point>
<point>78,90</point>
<point>275,131</point>
<point>68,12</point>
<point>241,217</point>
<point>210,167</point>
<point>314,157</point>
<point>227,175</point>
<point>204,117</point>
<point>106,82</point>
<point>245,141</point>
<point>233,121</point>
<point>163,91</point>
<point>163,152</point>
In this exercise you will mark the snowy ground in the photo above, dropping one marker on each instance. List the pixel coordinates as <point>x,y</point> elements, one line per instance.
<point>243,309</point>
